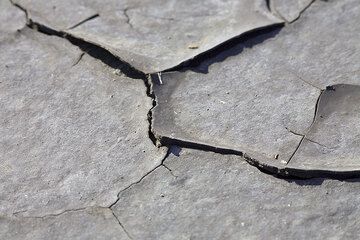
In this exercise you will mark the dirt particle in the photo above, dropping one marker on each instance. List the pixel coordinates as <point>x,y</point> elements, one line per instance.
<point>193,46</point>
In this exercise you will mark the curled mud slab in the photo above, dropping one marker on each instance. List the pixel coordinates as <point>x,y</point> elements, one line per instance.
<point>287,103</point>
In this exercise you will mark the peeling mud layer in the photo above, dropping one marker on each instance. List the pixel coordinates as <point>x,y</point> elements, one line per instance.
<point>138,119</point>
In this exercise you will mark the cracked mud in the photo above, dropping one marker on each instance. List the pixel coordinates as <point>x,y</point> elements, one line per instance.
<point>152,38</point>
<point>138,119</point>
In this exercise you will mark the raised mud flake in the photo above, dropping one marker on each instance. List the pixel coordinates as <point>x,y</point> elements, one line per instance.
<point>248,103</point>
<point>332,143</point>
<point>212,196</point>
<point>73,133</point>
<point>153,35</point>
<point>92,223</point>
<point>262,101</point>
<point>290,10</point>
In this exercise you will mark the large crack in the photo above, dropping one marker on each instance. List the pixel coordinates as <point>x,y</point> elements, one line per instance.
<point>110,60</point>
<point>201,62</point>
<point>150,93</point>
<point>271,170</point>
<point>93,50</point>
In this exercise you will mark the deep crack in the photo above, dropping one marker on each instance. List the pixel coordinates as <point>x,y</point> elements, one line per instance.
<point>150,93</point>
<point>232,47</point>
<point>94,51</point>
<point>111,60</point>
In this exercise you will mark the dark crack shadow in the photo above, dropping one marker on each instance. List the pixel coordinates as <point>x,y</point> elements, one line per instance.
<point>175,150</point>
<point>232,47</point>
<point>108,59</point>
<point>307,182</point>
<point>93,50</point>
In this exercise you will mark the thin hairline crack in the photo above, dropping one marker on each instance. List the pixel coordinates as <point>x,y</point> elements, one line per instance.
<point>274,11</point>
<point>54,215</point>
<point>83,21</point>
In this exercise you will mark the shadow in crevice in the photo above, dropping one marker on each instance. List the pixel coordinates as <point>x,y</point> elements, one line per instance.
<point>319,181</point>
<point>175,150</point>
<point>93,50</point>
<point>307,182</point>
<point>232,47</point>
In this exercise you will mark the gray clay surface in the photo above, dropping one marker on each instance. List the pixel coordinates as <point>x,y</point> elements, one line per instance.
<point>73,133</point>
<point>214,196</point>
<point>94,148</point>
<point>94,223</point>
<point>333,140</point>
